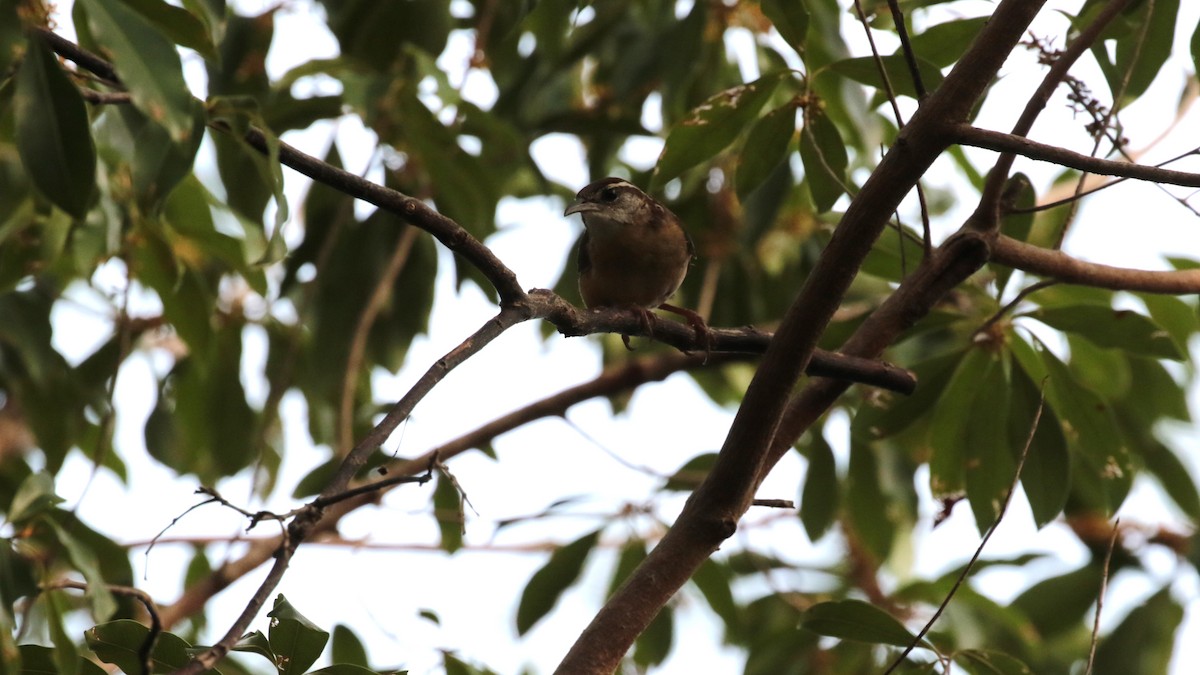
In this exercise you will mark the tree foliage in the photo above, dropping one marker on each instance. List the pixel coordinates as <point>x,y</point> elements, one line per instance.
<point>838,202</point>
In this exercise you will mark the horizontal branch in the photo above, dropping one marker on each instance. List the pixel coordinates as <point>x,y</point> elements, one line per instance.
<point>572,321</point>
<point>965,134</point>
<point>1067,269</point>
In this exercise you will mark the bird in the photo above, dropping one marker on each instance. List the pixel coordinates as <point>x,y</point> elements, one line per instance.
<point>634,253</point>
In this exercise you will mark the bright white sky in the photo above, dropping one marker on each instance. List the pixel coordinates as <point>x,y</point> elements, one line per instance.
<point>378,592</point>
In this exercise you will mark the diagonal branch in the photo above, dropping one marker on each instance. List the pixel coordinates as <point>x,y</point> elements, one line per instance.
<point>965,134</point>
<point>1054,264</point>
<point>711,514</point>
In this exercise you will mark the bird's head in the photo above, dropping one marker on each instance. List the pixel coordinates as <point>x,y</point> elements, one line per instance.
<point>613,202</point>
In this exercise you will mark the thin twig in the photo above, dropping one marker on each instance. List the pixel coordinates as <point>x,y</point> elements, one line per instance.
<point>962,577</point>
<point>1112,543</point>
<point>1025,292</point>
<point>910,56</point>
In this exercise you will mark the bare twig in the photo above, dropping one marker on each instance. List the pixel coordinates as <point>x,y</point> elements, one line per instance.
<point>962,577</point>
<point>910,56</point>
<point>1003,311</point>
<point>1112,543</point>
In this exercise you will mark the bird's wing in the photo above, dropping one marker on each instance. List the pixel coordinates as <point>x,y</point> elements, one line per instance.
<point>582,260</point>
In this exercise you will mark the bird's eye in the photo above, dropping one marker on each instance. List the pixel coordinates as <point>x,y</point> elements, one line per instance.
<point>609,195</point>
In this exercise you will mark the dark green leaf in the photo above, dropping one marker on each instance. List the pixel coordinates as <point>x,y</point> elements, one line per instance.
<point>1058,604</point>
<point>866,503</point>
<point>118,643</point>
<point>951,423</point>
<point>549,582</point>
<point>711,127</point>
<point>448,509</point>
<point>1018,194</point>
<point>989,452</point>
<point>1118,329</point>
<point>633,552</point>
<point>84,558</point>
<point>766,146</point>
<point>865,69</point>
<point>66,657</point>
<point>295,639</point>
<point>790,19</point>
<point>1174,476</point>
<point>147,63</point>
<point>821,495</point>
<point>344,669</point>
<point>654,644</point>
<point>35,496</point>
<point>889,414</point>
<point>988,662</point>
<point>1145,640</point>
<point>52,132</point>
<point>255,642</point>
<point>177,24</point>
<point>856,620</point>
<point>824,155</point>
<point>714,581</point>
<point>942,43</point>
<point>347,648</point>
<point>1142,51</point>
<point>1046,476</point>
<point>691,474</point>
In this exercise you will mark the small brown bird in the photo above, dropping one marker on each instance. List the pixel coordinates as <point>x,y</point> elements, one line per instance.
<point>634,253</point>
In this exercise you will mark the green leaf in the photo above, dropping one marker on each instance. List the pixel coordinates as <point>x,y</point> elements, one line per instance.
<point>988,662</point>
<point>1018,194</point>
<point>1058,604</point>
<point>118,642</point>
<point>256,643</point>
<point>711,127</point>
<point>865,70</point>
<point>633,552</point>
<point>870,513</point>
<point>549,582</point>
<point>1143,50</point>
<point>889,414</point>
<point>147,63</point>
<point>1115,328</point>
<point>177,24</point>
<point>654,644</point>
<point>83,557</point>
<point>344,669</point>
<point>943,43</point>
<point>821,495</point>
<point>952,420</point>
<point>1046,476</point>
<point>790,19</point>
<point>715,581</point>
<point>34,496</point>
<point>53,133</point>
<point>1145,640</point>
<point>347,648</point>
<point>766,146</point>
<point>295,639</point>
<point>448,509</point>
<point>65,657</point>
<point>824,156</point>
<point>856,620</point>
<point>692,473</point>
<point>989,450</point>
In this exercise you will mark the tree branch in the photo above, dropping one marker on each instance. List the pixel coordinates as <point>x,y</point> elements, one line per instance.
<point>711,514</point>
<point>965,134</point>
<point>1064,268</point>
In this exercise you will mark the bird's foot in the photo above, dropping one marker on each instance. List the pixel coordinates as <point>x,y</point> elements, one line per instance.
<point>704,335</point>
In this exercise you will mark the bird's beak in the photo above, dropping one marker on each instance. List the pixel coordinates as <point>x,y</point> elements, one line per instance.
<point>580,207</point>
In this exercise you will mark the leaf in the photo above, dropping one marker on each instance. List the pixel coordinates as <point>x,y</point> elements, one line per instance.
<point>654,644</point>
<point>549,582</point>
<point>790,19</point>
<point>177,24</point>
<point>118,642</point>
<point>448,510</point>
<point>66,657</point>
<point>53,133</point>
<point>1145,640</point>
<point>766,147</point>
<point>821,495</point>
<point>1114,328</point>
<point>83,557</point>
<point>856,620</point>
<point>1057,605</point>
<point>295,640</point>
<point>711,127</point>
<point>824,156</point>
<point>256,643</point>
<point>147,63</point>
<point>943,43</point>
<point>866,503</point>
<point>347,648</point>
<point>989,450</point>
<point>1142,51</point>
<point>633,552</point>
<point>865,69</point>
<point>34,496</point>
<point>714,581</point>
<point>1018,194</point>
<point>989,662</point>
<point>1046,476</point>
<point>692,473</point>
<point>951,423</point>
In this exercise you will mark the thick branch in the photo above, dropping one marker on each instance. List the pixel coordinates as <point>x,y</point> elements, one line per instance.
<point>1062,267</point>
<point>965,134</point>
<point>711,515</point>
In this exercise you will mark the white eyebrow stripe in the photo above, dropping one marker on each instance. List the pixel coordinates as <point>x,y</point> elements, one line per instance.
<point>623,184</point>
